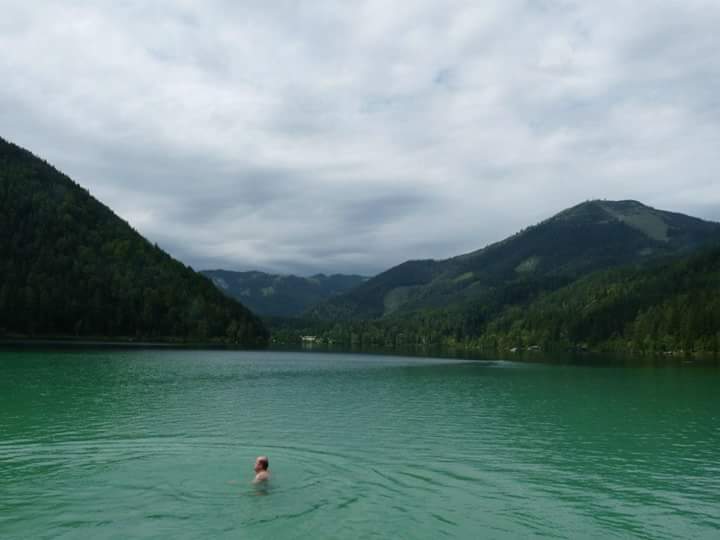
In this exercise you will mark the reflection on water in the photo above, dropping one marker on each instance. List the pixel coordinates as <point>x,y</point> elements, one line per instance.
<point>141,444</point>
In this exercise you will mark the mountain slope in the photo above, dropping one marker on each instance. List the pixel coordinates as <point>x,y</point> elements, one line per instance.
<point>671,306</point>
<point>283,296</point>
<point>590,236</point>
<point>665,305</point>
<point>70,266</point>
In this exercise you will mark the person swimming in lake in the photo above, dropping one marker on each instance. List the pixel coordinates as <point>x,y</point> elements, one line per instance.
<point>262,463</point>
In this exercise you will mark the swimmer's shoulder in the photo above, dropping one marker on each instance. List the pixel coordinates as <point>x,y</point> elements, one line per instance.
<point>262,476</point>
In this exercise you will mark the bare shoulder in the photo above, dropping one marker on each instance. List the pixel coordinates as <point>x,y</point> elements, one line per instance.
<point>262,476</point>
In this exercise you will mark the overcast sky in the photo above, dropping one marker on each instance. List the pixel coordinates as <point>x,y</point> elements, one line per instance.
<point>350,136</point>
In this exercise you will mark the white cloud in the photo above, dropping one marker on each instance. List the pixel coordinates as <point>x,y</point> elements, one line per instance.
<point>332,136</point>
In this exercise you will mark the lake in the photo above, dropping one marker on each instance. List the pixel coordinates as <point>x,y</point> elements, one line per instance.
<point>161,444</point>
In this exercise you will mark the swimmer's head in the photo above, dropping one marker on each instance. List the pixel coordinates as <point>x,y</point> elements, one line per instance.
<point>262,463</point>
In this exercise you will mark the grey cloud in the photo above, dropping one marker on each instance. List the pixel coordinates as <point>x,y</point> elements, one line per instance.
<point>383,209</point>
<point>348,137</point>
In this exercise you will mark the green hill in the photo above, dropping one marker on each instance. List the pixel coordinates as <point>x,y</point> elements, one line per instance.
<point>667,305</point>
<point>279,295</point>
<point>591,236</point>
<point>671,306</point>
<point>71,267</point>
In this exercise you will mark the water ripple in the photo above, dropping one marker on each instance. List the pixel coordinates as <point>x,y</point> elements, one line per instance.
<point>161,444</point>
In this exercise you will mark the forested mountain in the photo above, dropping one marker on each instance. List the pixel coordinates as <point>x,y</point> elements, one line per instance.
<point>591,236</point>
<point>671,306</point>
<point>278,295</point>
<point>71,267</point>
<point>666,305</point>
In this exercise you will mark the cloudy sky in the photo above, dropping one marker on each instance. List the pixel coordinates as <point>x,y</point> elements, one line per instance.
<point>349,136</point>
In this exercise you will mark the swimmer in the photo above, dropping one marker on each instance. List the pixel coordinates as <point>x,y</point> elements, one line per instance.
<point>261,470</point>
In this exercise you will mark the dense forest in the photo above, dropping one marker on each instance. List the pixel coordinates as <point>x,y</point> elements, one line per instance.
<point>671,307</point>
<point>71,267</point>
<point>668,306</point>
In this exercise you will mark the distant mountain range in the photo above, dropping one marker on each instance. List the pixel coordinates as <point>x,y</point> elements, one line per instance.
<point>281,295</point>
<point>71,267</point>
<point>599,273</point>
<point>591,236</point>
<point>667,305</point>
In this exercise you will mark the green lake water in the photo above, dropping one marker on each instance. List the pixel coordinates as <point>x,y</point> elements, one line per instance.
<point>161,444</point>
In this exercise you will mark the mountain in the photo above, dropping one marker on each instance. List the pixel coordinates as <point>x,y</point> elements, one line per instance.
<point>666,305</point>
<point>71,267</point>
<point>591,236</point>
<point>282,296</point>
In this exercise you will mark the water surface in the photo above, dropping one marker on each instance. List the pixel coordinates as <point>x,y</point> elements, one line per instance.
<point>160,444</point>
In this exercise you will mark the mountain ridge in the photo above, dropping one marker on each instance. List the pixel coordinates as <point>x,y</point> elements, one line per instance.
<point>586,237</point>
<point>281,295</point>
<point>666,306</point>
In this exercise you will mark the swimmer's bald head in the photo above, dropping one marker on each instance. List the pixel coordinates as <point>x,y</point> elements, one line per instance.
<point>262,463</point>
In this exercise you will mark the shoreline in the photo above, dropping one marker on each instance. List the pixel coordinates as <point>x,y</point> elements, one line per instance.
<point>588,358</point>
<point>115,343</point>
